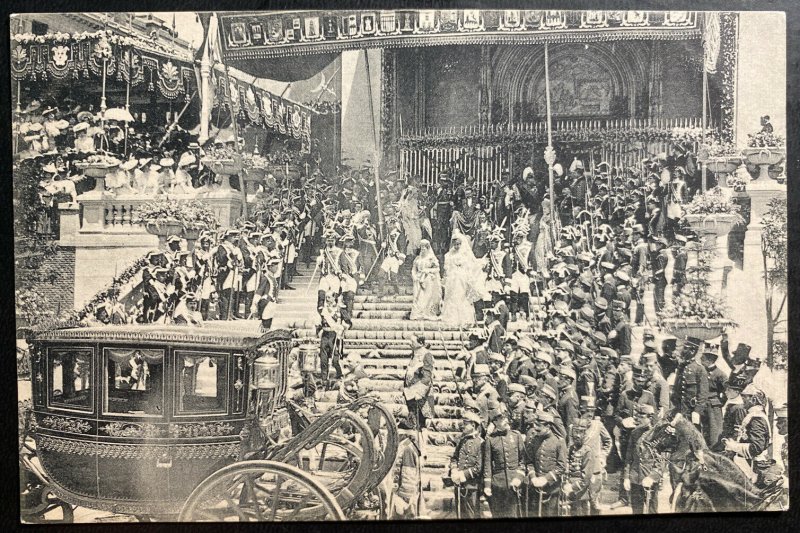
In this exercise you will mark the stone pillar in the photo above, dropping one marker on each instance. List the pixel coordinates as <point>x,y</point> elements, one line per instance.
<point>225,202</point>
<point>205,104</point>
<point>69,220</point>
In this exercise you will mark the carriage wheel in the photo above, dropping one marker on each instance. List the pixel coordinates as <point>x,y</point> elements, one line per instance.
<point>339,454</point>
<point>47,509</point>
<point>383,425</point>
<point>260,491</point>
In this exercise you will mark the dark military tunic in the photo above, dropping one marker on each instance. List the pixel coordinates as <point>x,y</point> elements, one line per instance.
<point>690,391</point>
<point>580,468</point>
<point>546,458</point>
<point>468,458</point>
<point>503,462</point>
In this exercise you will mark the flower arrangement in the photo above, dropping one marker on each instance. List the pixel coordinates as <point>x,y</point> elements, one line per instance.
<point>765,140</point>
<point>191,214</point>
<point>691,135</point>
<point>737,182</point>
<point>695,303</point>
<point>713,202</point>
<point>717,148</point>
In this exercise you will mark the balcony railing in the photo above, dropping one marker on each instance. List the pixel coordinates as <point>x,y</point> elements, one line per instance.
<point>482,152</point>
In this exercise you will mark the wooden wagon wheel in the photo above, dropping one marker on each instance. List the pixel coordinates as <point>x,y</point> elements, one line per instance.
<point>337,450</point>
<point>383,425</point>
<point>260,491</point>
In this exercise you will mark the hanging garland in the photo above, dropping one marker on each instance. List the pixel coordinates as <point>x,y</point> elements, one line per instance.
<point>603,136</point>
<point>35,57</point>
<point>729,23</point>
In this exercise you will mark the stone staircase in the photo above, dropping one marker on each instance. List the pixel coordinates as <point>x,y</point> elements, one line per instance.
<point>380,333</point>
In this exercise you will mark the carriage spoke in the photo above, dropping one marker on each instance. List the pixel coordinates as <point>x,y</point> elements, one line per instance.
<point>253,499</point>
<point>300,506</point>
<point>276,496</point>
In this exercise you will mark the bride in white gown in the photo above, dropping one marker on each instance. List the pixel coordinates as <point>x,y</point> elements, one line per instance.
<point>462,274</point>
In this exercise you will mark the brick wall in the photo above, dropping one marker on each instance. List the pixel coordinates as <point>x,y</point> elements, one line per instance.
<point>60,294</point>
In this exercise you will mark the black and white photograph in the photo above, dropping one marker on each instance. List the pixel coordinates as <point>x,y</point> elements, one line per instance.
<point>418,264</point>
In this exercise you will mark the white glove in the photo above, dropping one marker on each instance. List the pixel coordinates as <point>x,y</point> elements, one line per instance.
<point>628,423</point>
<point>647,482</point>
<point>612,334</point>
<point>567,488</point>
<point>516,482</point>
<point>695,418</point>
<point>539,482</point>
<point>626,484</point>
<point>488,492</point>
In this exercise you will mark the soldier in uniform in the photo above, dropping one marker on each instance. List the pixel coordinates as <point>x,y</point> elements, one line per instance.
<point>522,260</point>
<point>516,405</point>
<point>442,212</point>
<point>712,418</point>
<point>679,264</point>
<point>484,393</point>
<point>659,273</point>
<point>658,385</point>
<point>503,466</point>
<point>265,295</point>
<point>690,391</point>
<point>546,456</point>
<point>329,270</point>
<point>202,262</point>
<point>548,400</point>
<point>567,397</point>
<point>643,466</point>
<point>588,374</point>
<point>352,272</point>
<point>578,488</point>
<point>498,268</point>
<point>466,467</point>
<point>620,337</point>
<point>331,331</point>
<point>249,273</point>
<point>599,439</point>
<point>227,262</point>
<point>417,385</point>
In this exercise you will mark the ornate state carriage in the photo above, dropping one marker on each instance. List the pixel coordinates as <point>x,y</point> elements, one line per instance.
<point>189,423</point>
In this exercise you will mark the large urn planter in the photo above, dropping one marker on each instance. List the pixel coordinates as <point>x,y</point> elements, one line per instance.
<point>763,158</point>
<point>719,224</point>
<point>723,167</point>
<point>164,230</point>
<point>703,329</point>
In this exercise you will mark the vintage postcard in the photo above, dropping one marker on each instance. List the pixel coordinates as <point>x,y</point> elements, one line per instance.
<point>399,264</point>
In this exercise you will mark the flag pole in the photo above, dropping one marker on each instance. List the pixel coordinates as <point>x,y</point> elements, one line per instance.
<point>549,152</point>
<point>376,163</point>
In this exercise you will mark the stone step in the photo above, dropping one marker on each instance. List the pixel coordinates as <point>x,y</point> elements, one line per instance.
<point>362,325</point>
<point>373,298</point>
<point>379,336</point>
<point>435,344</point>
<point>382,306</point>
<point>401,314</point>
<point>398,363</point>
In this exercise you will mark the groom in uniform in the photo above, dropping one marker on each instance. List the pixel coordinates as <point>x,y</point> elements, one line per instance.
<point>522,259</point>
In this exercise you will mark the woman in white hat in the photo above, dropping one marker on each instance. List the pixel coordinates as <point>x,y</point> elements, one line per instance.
<point>167,175</point>
<point>119,181</point>
<point>182,182</point>
<point>152,175</point>
<point>83,142</point>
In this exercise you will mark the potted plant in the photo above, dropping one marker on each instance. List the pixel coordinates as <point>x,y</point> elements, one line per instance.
<point>223,160</point>
<point>695,311</point>
<point>186,218</point>
<point>712,212</point>
<point>721,159</point>
<point>764,149</point>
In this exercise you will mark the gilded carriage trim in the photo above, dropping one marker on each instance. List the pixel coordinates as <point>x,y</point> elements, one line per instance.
<point>137,451</point>
<point>132,507</point>
<point>67,425</point>
<point>200,429</point>
<point>125,429</point>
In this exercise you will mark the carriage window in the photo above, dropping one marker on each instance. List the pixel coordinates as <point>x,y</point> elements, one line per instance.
<point>70,379</point>
<point>203,383</point>
<point>135,383</point>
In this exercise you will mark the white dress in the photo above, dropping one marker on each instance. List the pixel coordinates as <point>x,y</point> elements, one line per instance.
<point>462,273</point>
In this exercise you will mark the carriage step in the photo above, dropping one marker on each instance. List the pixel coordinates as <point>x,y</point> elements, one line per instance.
<point>379,334</point>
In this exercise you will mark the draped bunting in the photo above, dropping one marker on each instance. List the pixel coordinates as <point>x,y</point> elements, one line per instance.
<point>123,355</point>
<point>260,107</point>
<point>59,56</point>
